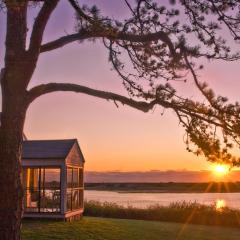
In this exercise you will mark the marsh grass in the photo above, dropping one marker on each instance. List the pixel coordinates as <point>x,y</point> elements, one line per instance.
<point>182,212</point>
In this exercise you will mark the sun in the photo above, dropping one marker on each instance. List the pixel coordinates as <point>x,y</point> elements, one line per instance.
<point>220,169</point>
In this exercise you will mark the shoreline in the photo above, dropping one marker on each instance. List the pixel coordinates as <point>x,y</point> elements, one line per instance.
<point>212,187</point>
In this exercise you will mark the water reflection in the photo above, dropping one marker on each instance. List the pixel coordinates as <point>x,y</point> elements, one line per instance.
<point>220,204</point>
<point>144,200</point>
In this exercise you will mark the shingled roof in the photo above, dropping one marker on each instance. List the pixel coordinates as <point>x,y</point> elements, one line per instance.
<point>43,149</point>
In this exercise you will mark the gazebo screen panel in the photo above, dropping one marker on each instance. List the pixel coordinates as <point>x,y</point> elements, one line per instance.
<point>42,190</point>
<point>75,188</point>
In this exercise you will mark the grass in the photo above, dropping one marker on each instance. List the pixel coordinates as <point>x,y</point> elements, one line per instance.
<point>91,228</point>
<point>176,212</point>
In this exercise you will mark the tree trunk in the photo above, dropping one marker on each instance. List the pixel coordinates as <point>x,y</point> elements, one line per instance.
<point>11,192</point>
<point>20,64</point>
<point>14,78</point>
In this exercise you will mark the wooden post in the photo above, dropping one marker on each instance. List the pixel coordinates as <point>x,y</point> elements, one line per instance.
<point>63,189</point>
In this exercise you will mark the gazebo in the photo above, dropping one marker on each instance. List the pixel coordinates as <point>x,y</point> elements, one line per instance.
<point>53,179</point>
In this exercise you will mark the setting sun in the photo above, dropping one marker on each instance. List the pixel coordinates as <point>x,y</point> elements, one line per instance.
<point>220,169</point>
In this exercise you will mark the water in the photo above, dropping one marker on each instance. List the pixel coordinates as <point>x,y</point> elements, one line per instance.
<point>143,200</point>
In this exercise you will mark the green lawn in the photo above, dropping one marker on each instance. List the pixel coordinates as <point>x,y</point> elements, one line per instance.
<point>91,228</point>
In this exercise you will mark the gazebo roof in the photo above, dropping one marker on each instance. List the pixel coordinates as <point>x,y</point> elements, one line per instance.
<point>47,149</point>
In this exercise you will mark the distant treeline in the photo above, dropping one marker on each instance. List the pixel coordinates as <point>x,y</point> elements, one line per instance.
<point>171,187</point>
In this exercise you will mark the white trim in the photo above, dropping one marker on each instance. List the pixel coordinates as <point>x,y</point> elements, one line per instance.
<point>73,213</point>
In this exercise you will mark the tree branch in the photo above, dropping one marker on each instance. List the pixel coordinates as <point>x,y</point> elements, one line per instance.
<point>80,12</point>
<point>144,106</point>
<point>102,31</point>
<point>114,34</point>
<point>40,24</point>
<point>54,87</point>
<point>62,41</point>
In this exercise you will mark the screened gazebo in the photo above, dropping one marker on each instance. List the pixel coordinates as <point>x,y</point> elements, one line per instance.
<point>53,179</point>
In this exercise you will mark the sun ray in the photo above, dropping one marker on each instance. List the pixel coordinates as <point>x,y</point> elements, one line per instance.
<point>238,217</point>
<point>226,187</point>
<point>208,187</point>
<point>186,223</point>
<point>219,170</point>
<point>192,213</point>
<point>219,186</point>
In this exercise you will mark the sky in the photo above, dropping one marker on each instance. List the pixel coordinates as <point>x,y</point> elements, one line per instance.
<point>111,138</point>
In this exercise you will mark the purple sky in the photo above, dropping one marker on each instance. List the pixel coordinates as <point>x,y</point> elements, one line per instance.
<point>111,138</point>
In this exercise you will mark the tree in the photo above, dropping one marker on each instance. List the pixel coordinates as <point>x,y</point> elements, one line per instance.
<point>157,47</point>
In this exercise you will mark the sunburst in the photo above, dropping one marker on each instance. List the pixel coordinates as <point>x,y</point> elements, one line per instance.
<point>221,169</point>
